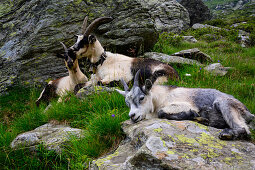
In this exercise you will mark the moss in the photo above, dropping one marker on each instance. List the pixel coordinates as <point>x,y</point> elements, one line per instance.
<point>201,126</point>
<point>210,141</point>
<point>164,143</point>
<point>172,139</point>
<point>100,162</point>
<point>164,121</point>
<point>158,130</point>
<point>13,33</point>
<point>184,139</point>
<point>170,152</point>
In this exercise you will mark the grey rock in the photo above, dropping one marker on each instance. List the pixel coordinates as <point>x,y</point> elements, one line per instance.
<point>217,69</point>
<point>194,54</point>
<point>189,39</point>
<point>244,38</point>
<point>170,59</point>
<point>169,144</point>
<point>52,136</point>
<point>198,11</point>
<point>31,31</point>
<point>200,26</point>
<point>86,91</point>
<point>168,15</point>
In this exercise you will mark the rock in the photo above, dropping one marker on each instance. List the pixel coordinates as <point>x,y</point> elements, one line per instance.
<point>170,59</point>
<point>168,15</point>
<point>86,91</point>
<point>200,26</point>
<point>169,144</point>
<point>194,54</point>
<point>52,136</point>
<point>31,32</point>
<point>198,11</point>
<point>217,69</point>
<point>189,39</point>
<point>244,38</point>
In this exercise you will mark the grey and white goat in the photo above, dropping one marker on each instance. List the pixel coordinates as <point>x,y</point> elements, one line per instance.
<point>209,106</point>
<point>59,87</point>
<point>111,67</point>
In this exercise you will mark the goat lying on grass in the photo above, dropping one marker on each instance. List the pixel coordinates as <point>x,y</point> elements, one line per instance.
<point>210,106</point>
<point>109,67</point>
<point>61,86</point>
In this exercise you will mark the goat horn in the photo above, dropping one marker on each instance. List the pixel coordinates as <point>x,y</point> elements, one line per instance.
<point>64,46</point>
<point>136,81</point>
<point>96,23</point>
<point>124,85</point>
<point>84,25</point>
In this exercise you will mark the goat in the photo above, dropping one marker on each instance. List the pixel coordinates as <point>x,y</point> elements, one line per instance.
<point>208,106</point>
<point>111,67</point>
<point>61,86</point>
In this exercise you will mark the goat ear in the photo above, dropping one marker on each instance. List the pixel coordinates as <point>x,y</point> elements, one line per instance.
<point>148,85</point>
<point>91,39</point>
<point>60,55</point>
<point>123,93</point>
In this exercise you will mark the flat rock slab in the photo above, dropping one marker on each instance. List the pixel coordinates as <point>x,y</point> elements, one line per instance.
<point>217,69</point>
<point>169,144</point>
<point>86,91</point>
<point>50,135</point>
<point>194,54</point>
<point>170,59</point>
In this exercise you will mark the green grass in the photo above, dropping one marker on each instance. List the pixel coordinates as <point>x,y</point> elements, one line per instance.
<point>100,116</point>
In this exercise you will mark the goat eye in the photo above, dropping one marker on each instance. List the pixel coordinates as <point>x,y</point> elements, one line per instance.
<point>141,98</point>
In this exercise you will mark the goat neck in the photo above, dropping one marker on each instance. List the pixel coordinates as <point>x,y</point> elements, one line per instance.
<point>75,73</point>
<point>97,51</point>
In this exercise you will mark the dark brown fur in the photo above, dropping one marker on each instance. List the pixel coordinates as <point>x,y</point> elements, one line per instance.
<point>146,65</point>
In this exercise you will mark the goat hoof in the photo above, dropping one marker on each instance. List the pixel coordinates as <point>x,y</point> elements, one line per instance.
<point>161,114</point>
<point>226,134</point>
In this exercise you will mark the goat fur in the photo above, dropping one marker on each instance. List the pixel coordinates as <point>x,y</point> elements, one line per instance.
<point>207,106</point>
<point>60,87</point>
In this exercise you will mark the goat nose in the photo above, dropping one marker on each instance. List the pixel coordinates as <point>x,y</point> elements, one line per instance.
<point>132,115</point>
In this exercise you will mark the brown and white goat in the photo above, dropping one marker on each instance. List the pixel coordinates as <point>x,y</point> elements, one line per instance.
<point>208,106</point>
<point>59,87</point>
<point>110,67</point>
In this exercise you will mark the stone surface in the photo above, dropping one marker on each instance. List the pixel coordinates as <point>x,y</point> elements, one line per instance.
<point>200,26</point>
<point>168,15</point>
<point>198,11</point>
<point>50,135</point>
<point>85,91</point>
<point>217,69</point>
<point>189,39</point>
<point>30,32</point>
<point>194,54</point>
<point>169,144</point>
<point>170,59</point>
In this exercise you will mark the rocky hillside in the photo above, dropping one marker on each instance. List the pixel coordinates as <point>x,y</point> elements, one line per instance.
<point>32,29</point>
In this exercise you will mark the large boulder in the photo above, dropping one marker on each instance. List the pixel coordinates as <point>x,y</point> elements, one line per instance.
<point>168,15</point>
<point>30,32</point>
<point>52,136</point>
<point>198,11</point>
<point>169,144</point>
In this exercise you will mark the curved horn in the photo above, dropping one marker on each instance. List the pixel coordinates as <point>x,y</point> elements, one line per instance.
<point>84,25</point>
<point>136,81</point>
<point>64,46</point>
<point>124,85</point>
<point>96,24</point>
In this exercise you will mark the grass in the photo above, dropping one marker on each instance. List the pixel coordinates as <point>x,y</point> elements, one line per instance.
<point>100,116</point>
